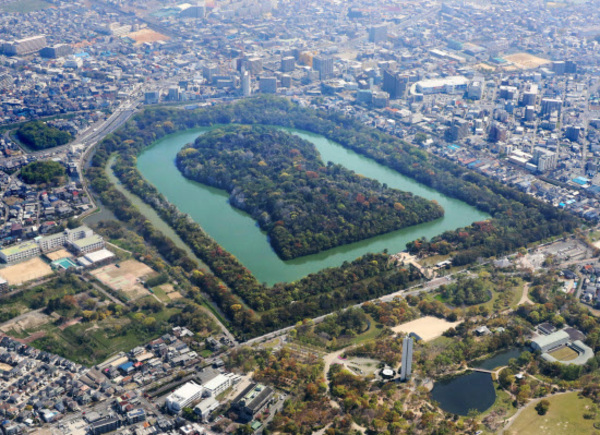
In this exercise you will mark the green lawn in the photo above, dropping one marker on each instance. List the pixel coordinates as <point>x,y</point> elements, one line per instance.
<point>564,354</point>
<point>565,416</point>
<point>160,294</point>
<point>92,343</point>
<point>25,6</point>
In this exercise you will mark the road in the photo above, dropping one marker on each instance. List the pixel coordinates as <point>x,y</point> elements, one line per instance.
<point>411,291</point>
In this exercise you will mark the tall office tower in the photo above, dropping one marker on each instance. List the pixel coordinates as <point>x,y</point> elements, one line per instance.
<point>530,95</point>
<point>246,84</point>
<point>571,67</point>
<point>394,84</point>
<point>407,354</point>
<point>288,64</point>
<point>378,33</point>
<point>550,105</point>
<point>324,65</point>
<point>558,67</point>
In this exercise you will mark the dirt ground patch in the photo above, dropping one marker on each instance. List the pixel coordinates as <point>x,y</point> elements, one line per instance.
<point>146,35</point>
<point>26,271</point>
<point>174,295</point>
<point>485,67</point>
<point>126,277</point>
<point>57,255</point>
<point>526,60</point>
<point>26,321</point>
<point>427,327</point>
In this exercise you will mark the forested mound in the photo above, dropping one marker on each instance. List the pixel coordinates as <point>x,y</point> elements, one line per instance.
<point>38,135</point>
<point>304,205</point>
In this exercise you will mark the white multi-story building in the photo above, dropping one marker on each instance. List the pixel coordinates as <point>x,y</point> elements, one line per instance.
<point>183,396</point>
<point>218,384</point>
<point>20,252</point>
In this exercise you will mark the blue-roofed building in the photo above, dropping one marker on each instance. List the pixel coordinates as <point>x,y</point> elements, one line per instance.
<point>581,181</point>
<point>127,367</point>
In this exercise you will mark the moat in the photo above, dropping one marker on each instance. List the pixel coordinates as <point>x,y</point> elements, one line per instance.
<point>238,233</point>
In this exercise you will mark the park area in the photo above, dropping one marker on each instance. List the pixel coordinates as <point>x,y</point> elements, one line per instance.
<point>427,327</point>
<point>27,271</point>
<point>526,60</point>
<point>564,416</point>
<point>125,277</point>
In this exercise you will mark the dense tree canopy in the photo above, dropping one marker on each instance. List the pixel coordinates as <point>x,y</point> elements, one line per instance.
<point>43,172</point>
<point>39,135</point>
<point>304,206</point>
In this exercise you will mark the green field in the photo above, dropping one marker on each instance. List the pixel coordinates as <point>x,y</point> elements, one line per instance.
<point>92,343</point>
<point>564,354</point>
<point>25,6</point>
<point>565,416</point>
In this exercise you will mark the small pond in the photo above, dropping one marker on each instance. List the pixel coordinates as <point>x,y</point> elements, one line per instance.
<point>500,359</point>
<point>458,395</point>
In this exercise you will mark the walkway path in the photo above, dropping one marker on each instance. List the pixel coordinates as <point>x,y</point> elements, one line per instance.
<point>525,296</point>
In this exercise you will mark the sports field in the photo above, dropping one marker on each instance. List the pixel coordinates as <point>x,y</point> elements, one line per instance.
<point>526,60</point>
<point>26,271</point>
<point>427,327</point>
<point>57,255</point>
<point>125,277</point>
<point>147,35</point>
<point>564,354</point>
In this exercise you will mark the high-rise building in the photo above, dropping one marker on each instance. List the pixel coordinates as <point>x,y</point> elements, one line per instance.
<point>545,160</point>
<point>457,131</point>
<point>288,64</point>
<point>59,50</point>
<point>324,65</point>
<point>559,67</point>
<point>246,84</point>
<point>475,90</point>
<point>254,65</point>
<point>407,355</point>
<point>151,97</point>
<point>498,133</point>
<point>174,94</point>
<point>268,85</point>
<point>395,84</point>
<point>530,95</point>
<point>378,33</point>
<point>381,100</point>
<point>574,132</point>
<point>529,113</point>
<point>550,105</point>
<point>571,67</point>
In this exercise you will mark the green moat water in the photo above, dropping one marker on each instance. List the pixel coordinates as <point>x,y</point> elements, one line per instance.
<point>239,234</point>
